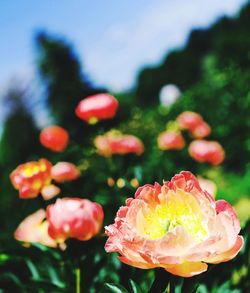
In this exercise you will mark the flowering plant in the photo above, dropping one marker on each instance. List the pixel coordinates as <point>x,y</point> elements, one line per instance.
<point>176,226</point>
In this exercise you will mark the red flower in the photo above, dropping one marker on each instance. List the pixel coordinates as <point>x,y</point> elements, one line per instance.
<point>169,140</point>
<point>54,138</point>
<point>30,178</point>
<point>97,107</point>
<point>114,142</point>
<point>207,151</point>
<point>74,218</point>
<point>64,171</point>
<point>189,120</point>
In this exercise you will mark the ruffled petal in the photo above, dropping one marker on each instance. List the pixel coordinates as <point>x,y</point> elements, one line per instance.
<point>228,255</point>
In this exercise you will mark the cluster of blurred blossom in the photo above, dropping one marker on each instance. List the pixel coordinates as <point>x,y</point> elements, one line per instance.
<point>33,178</point>
<point>177,226</point>
<point>115,143</point>
<point>67,217</point>
<point>200,149</point>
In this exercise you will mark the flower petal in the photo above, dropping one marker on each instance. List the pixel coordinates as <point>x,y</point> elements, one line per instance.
<point>187,269</point>
<point>228,255</point>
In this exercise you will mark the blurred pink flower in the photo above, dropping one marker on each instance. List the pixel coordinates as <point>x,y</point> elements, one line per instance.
<point>50,191</point>
<point>207,151</point>
<point>64,171</point>
<point>201,130</point>
<point>34,229</point>
<point>114,142</point>
<point>176,226</point>
<point>97,107</point>
<point>74,218</point>
<point>208,185</point>
<point>189,120</point>
<point>169,140</point>
<point>55,138</point>
<point>30,178</point>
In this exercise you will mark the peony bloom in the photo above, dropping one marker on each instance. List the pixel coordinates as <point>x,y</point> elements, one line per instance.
<point>34,229</point>
<point>189,120</point>
<point>97,107</point>
<point>64,171</point>
<point>114,142</point>
<point>176,226</point>
<point>207,151</point>
<point>208,185</point>
<point>30,178</point>
<point>74,218</point>
<point>54,138</point>
<point>168,140</point>
<point>202,130</point>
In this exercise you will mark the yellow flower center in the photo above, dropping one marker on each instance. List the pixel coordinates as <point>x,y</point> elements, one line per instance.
<point>30,169</point>
<point>179,209</point>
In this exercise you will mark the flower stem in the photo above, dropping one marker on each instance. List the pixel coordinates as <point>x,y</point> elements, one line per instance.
<point>78,280</point>
<point>162,279</point>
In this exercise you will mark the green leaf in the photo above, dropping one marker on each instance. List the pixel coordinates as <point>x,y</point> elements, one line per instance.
<point>134,287</point>
<point>12,280</point>
<point>33,270</point>
<point>116,288</point>
<point>202,289</point>
<point>54,277</point>
<point>4,257</point>
<point>45,285</point>
<point>50,251</point>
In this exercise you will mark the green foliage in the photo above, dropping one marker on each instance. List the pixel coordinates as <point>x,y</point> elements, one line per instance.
<point>227,39</point>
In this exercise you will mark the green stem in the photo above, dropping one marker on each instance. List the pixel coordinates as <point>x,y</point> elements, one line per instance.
<point>162,279</point>
<point>78,280</point>
<point>172,287</point>
<point>191,284</point>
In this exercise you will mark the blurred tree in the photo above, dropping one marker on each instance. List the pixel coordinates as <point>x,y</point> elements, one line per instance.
<point>19,128</point>
<point>65,84</point>
<point>18,144</point>
<point>180,67</point>
<point>228,39</point>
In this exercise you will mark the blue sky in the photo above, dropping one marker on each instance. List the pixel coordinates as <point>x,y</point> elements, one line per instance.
<point>113,39</point>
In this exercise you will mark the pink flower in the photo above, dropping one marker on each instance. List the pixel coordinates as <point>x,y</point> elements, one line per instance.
<point>74,218</point>
<point>34,229</point>
<point>64,171</point>
<point>168,140</point>
<point>207,151</point>
<point>55,138</point>
<point>208,185</point>
<point>189,120</point>
<point>176,226</point>
<point>201,130</point>
<point>30,178</point>
<point>97,107</point>
<point>114,142</point>
<point>50,191</point>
